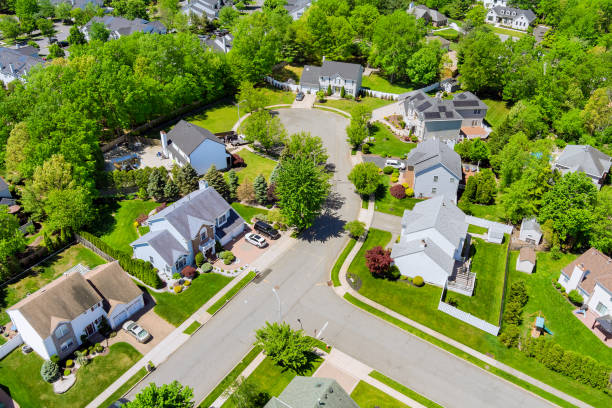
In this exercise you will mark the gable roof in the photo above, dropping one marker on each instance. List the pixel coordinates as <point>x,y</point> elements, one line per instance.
<point>20,62</point>
<point>123,26</point>
<point>432,152</point>
<point>310,392</point>
<point>431,109</point>
<point>344,69</point>
<point>112,283</point>
<point>429,248</point>
<point>508,13</point>
<point>531,224</point>
<point>310,75</point>
<point>187,136</point>
<point>164,243</point>
<point>527,254</point>
<point>584,158</point>
<point>598,267</point>
<point>468,100</point>
<point>296,5</point>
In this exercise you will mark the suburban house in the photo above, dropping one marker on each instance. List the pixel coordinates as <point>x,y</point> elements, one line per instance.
<point>492,3</point>
<point>79,3</point>
<point>119,26</point>
<point>435,245</point>
<point>220,42</point>
<point>16,63</point>
<point>591,275</point>
<point>209,8</point>
<point>431,16</point>
<point>336,75</point>
<point>433,117</point>
<point>530,231</point>
<point>297,8</point>
<point>526,260</point>
<point>444,43</point>
<point>510,17</point>
<point>190,225</point>
<point>312,392</point>
<point>433,169</point>
<point>53,319</point>
<point>189,143</point>
<point>586,159</point>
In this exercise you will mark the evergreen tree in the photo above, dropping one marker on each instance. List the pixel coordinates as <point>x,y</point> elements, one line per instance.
<point>187,179</point>
<point>157,184</point>
<point>261,189</point>
<point>232,183</point>
<point>171,191</point>
<point>274,175</point>
<point>216,180</point>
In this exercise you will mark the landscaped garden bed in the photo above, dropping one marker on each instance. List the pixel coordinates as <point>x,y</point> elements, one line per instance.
<point>386,203</point>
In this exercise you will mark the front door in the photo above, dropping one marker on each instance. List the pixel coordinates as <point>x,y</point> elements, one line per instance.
<point>90,329</point>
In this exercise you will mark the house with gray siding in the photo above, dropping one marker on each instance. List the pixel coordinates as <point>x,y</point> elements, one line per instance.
<point>431,16</point>
<point>334,75</point>
<point>585,159</point>
<point>190,225</point>
<point>16,63</point>
<point>312,392</point>
<point>433,169</point>
<point>209,8</point>
<point>5,192</point>
<point>120,26</point>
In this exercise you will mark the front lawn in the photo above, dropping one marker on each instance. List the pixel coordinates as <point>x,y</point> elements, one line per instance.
<point>347,105</point>
<point>368,396</point>
<point>255,165</point>
<point>45,273</point>
<point>386,203</point>
<point>124,388</point>
<point>175,308</point>
<point>20,374</point>
<point>119,229</point>
<point>448,33</point>
<point>497,112</point>
<point>377,82</point>
<point>247,212</point>
<point>387,143</point>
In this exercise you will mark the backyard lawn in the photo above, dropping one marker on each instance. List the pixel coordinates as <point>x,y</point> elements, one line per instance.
<point>386,203</point>
<point>475,229</point>
<point>120,231</point>
<point>175,308</point>
<point>378,82</point>
<point>387,143</point>
<point>255,165</point>
<point>368,396</point>
<point>448,33</point>
<point>288,72</point>
<point>505,31</point>
<point>347,105</point>
<point>493,212</point>
<point>247,212</point>
<point>20,374</point>
<point>45,273</point>
<point>497,112</point>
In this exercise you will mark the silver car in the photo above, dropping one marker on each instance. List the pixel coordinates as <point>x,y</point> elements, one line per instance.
<point>395,164</point>
<point>256,240</point>
<point>138,332</point>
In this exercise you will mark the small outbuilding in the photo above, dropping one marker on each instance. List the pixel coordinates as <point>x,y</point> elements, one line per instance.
<point>495,235</point>
<point>530,231</point>
<point>526,260</point>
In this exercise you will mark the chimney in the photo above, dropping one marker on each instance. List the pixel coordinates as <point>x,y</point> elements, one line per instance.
<point>577,276</point>
<point>202,184</point>
<point>164,142</point>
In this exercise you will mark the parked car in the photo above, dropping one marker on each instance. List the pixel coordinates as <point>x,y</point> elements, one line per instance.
<point>266,229</point>
<point>395,164</point>
<point>138,332</point>
<point>63,44</point>
<point>299,96</point>
<point>256,240</point>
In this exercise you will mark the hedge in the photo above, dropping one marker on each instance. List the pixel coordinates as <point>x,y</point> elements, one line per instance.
<point>136,267</point>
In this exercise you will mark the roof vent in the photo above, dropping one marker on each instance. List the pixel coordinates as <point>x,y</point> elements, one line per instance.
<point>423,243</point>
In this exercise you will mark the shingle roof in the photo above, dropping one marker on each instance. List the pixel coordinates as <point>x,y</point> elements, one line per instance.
<point>598,266</point>
<point>164,243</point>
<point>310,75</point>
<point>584,158</point>
<point>309,392</point>
<point>344,69</point>
<point>294,5</point>
<point>113,284</point>
<point>429,248</point>
<point>432,152</point>
<point>527,254</point>
<point>507,12</point>
<point>188,136</point>
<point>531,224</point>
<point>126,27</point>
<point>21,63</point>
<point>468,100</point>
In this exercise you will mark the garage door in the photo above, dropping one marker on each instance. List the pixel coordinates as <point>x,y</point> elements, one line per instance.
<point>119,318</point>
<point>133,308</point>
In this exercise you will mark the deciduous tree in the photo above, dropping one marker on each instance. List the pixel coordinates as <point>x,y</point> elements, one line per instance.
<point>286,347</point>
<point>265,129</point>
<point>366,178</point>
<point>11,239</point>
<point>97,31</point>
<point>68,209</point>
<point>173,395</point>
<point>245,191</point>
<point>302,144</point>
<point>378,261</point>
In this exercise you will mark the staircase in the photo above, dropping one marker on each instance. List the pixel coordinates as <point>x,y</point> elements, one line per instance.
<point>462,280</point>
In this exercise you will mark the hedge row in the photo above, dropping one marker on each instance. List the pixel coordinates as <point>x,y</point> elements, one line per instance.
<point>135,267</point>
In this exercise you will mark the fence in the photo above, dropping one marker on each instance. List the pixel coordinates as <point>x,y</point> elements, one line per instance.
<point>94,248</point>
<point>481,222</point>
<point>282,85</point>
<point>466,317</point>
<point>10,345</point>
<point>380,95</point>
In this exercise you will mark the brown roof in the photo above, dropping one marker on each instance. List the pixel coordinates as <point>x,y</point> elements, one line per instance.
<point>472,132</point>
<point>527,254</point>
<point>598,266</point>
<point>114,284</point>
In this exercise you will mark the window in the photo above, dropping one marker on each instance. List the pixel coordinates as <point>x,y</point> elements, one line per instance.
<point>434,190</point>
<point>203,235</point>
<point>94,307</point>
<point>601,309</point>
<point>66,345</point>
<point>180,263</point>
<point>474,123</point>
<point>476,111</point>
<point>151,260</point>
<point>61,331</point>
<point>452,179</point>
<point>222,219</point>
<point>435,179</point>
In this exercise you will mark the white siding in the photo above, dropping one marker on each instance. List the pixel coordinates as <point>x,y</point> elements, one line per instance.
<point>125,308</point>
<point>600,295</point>
<point>419,264</point>
<point>30,336</point>
<point>84,319</point>
<point>524,266</point>
<point>146,252</point>
<point>207,154</point>
<point>424,183</point>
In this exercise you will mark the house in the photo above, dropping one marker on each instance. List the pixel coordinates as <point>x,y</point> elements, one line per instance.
<point>120,26</point>
<point>312,392</point>
<point>495,235</point>
<point>444,43</point>
<point>530,231</point>
<point>209,8</point>
<point>586,159</point>
<point>336,75</point>
<point>79,3</point>
<point>432,16</point>
<point>15,64</point>
<point>433,169</point>
<point>53,319</point>
<point>434,244</point>
<point>4,190</point>
<point>220,42</point>
<point>189,143</point>
<point>492,3</point>
<point>297,8</point>
<point>518,19</point>
<point>526,260</point>
<point>190,225</point>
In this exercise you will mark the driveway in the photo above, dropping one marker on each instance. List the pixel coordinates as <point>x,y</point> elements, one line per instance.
<point>62,32</point>
<point>379,161</point>
<point>247,253</point>
<point>387,222</point>
<point>306,103</point>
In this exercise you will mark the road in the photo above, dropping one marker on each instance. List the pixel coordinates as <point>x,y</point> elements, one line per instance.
<point>301,276</point>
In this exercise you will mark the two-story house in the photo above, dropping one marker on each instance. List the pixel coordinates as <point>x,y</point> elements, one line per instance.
<point>432,169</point>
<point>585,159</point>
<point>79,3</point>
<point>492,3</point>
<point>432,16</point>
<point>16,63</point>
<point>190,225</point>
<point>510,17</point>
<point>120,26</point>
<point>209,8</point>
<point>334,75</point>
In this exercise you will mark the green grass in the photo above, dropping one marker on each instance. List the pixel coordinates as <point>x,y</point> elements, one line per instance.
<point>497,112</point>
<point>228,296</point>
<point>368,396</point>
<point>501,30</point>
<point>192,328</point>
<point>404,390</point>
<point>387,143</point>
<point>347,105</point>
<point>493,212</point>
<point>230,378</point>
<point>247,212</point>
<point>123,230</point>
<point>448,33</point>
<point>45,273</point>
<point>386,203</point>
<point>176,308</point>
<point>337,113</point>
<point>20,374</point>
<point>144,230</point>
<point>475,229</point>
<point>320,344</point>
<point>255,165</point>
<point>288,72</point>
<point>378,82</point>
<point>336,269</point>
<point>124,388</point>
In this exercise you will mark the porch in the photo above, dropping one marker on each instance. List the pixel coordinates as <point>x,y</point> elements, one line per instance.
<point>601,327</point>
<point>462,279</point>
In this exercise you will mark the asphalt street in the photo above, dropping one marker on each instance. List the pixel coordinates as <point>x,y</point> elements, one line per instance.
<point>301,276</point>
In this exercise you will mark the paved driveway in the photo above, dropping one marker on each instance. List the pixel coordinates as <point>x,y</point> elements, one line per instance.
<point>379,161</point>
<point>387,222</point>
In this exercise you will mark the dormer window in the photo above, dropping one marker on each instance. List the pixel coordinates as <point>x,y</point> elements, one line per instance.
<point>203,235</point>
<point>222,220</point>
<point>61,331</point>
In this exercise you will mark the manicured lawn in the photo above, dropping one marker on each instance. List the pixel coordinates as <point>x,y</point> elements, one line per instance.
<point>497,112</point>
<point>387,143</point>
<point>336,269</point>
<point>386,203</point>
<point>501,30</point>
<point>247,212</point>
<point>404,390</point>
<point>288,72</point>
<point>348,105</point>
<point>228,296</point>
<point>378,82</point>
<point>475,229</point>
<point>493,212</point>
<point>21,375</point>
<point>368,396</point>
<point>175,308</point>
<point>448,33</point>
<point>255,165</point>
<point>124,388</point>
<point>192,328</point>
<point>123,230</point>
<point>489,264</point>
<point>45,273</point>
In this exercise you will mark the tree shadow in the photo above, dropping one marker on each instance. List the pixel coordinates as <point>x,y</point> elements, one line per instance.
<point>381,191</point>
<point>334,201</point>
<point>104,222</point>
<point>326,226</point>
<point>308,367</point>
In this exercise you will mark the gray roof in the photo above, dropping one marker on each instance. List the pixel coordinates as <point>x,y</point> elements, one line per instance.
<point>511,12</point>
<point>126,27</point>
<point>468,100</point>
<point>113,284</point>
<point>539,32</point>
<point>188,136</point>
<point>344,69</point>
<point>296,5</point>
<point>431,109</point>
<point>443,41</point>
<point>216,43</point>
<point>164,243</point>
<point>312,392</point>
<point>531,224</point>
<point>584,158</point>
<point>421,11</point>
<point>310,75</point>
<point>432,152</point>
<point>429,248</point>
<point>21,63</point>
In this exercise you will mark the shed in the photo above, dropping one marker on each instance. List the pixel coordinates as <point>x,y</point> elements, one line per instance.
<point>530,231</point>
<point>495,235</point>
<point>526,260</point>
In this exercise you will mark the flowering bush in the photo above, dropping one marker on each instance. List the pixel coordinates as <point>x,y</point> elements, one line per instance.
<point>398,191</point>
<point>178,288</point>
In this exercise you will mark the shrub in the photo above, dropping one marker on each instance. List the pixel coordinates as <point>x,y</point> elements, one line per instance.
<point>405,185</point>
<point>227,261</point>
<point>518,293</point>
<point>82,361</point>
<point>394,273</point>
<point>112,334</point>
<point>378,261</point>
<point>55,358</point>
<point>575,297</point>
<point>99,348</point>
<point>398,191</point>
<point>513,313</point>
<point>227,256</point>
<point>510,336</point>
<point>394,178</point>
<point>557,285</point>
<point>409,192</point>
<point>178,288</point>
<point>199,259</point>
<point>237,161</point>
<point>67,372</point>
<point>69,363</point>
<point>206,267</point>
<point>49,371</point>
<point>189,272</point>
<point>176,276</point>
<point>365,148</point>
<point>418,281</point>
<point>355,228</point>
<point>187,283</point>
<point>388,170</point>
<point>451,300</point>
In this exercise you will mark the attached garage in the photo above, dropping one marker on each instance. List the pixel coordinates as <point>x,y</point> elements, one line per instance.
<point>120,318</point>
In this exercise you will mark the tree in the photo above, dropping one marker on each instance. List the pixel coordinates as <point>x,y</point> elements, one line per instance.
<point>130,9</point>
<point>172,395</point>
<point>215,179</point>
<point>76,37</point>
<point>261,189</point>
<point>475,17</point>
<point>481,187</point>
<point>250,98</point>
<point>46,27</point>
<point>355,228</point>
<point>601,233</point>
<point>363,18</point>
<point>245,394</point>
<point>171,191</point>
<point>265,129</point>
<point>15,149</point>
<point>97,31</point>
<point>55,51</point>
<point>286,347</point>
<point>597,113</point>
<point>423,67</point>
<point>12,240</point>
<point>482,61</point>
<point>45,9</point>
<point>9,26</point>
<point>378,261</point>
<point>232,182</point>
<point>157,183</point>
<point>358,130</point>
<point>228,16</point>
<point>302,144</point>
<point>68,209</point>
<point>26,9</point>
<point>245,191</point>
<point>366,178</point>
<point>302,188</point>
<point>62,11</point>
<point>277,6</point>
<point>49,371</point>
<point>187,179</point>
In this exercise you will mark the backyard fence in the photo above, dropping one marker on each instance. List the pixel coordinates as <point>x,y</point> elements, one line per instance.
<point>286,86</point>
<point>94,248</point>
<point>10,345</point>
<point>466,317</point>
<point>481,222</point>
<point>381,95</point>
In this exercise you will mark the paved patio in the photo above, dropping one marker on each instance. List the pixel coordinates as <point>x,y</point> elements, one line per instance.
<point>588,319</point>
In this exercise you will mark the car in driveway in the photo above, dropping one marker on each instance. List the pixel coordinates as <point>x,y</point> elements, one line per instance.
<point>299,96</point>
<point>138,332</point>
<point>255,239</point>
<point>266,229</point>
<point>395,164</point>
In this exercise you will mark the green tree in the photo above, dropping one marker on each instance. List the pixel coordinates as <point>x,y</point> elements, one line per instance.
<point>171,191</point>
<point>187,179</point>
<point>482,61</point>
<point>366,178</point>
<point>510,162</point>
<point>597,113</point>
<point>45,9</point>
<point>232,183</point>
<point>130,9</point>
<point>9,27</point>
<point>228,16</point>
<point>172,395</point>
<point>68,209</point>
<point>363,18</point>
<point>277,6</point>
<point>62,11</point>
<point>261,189</point>
<point>358,130</point>
<point>157,183</point>
<point>475,17</point>
<point>251,99</point>
<point>355,228</point>
<point>215,179</point>
<point>423,67</point>
<point>265,129</point>
<point>49,371</point>
<point>26,10</point>
<point>55,51</point>
<point>12,240</point>
<point>15,149</point>
<point>243,393</point>
<point>76,37</point>
<point>304,145</point>
<point>97,31</point>
<point>286,347</point>
<point>601,233</point>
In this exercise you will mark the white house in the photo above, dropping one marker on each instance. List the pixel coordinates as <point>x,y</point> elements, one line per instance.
<point>189,143</point>
<point>297,8</point>
<point>434,244</point>
<point>530,231</point>
<point>79,3</point>
<point>432,16</point>
<point>434,169</point>
<point>586,159</point>
<point>53,319</point>
<point>120,26</point>
<point>526,260</point>
<point>510,17</point>
<point>209,8</point>
<point>16,63</point>
<point>190,225</point>
<point>492,3</point>
<point>336,75</point>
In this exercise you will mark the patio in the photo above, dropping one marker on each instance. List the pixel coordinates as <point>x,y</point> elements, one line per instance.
<point>588,319</point>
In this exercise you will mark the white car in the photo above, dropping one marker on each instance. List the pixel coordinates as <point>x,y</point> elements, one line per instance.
<point>256,240</point>
<point>135,330</point>
<point>395,164</point>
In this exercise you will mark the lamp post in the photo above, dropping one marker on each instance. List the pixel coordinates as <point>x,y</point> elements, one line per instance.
<point>274,289</point>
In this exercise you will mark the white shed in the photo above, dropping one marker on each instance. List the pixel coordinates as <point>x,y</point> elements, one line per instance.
<point>495,235</point>
<point>526,260</point>
<point>530,231</point>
